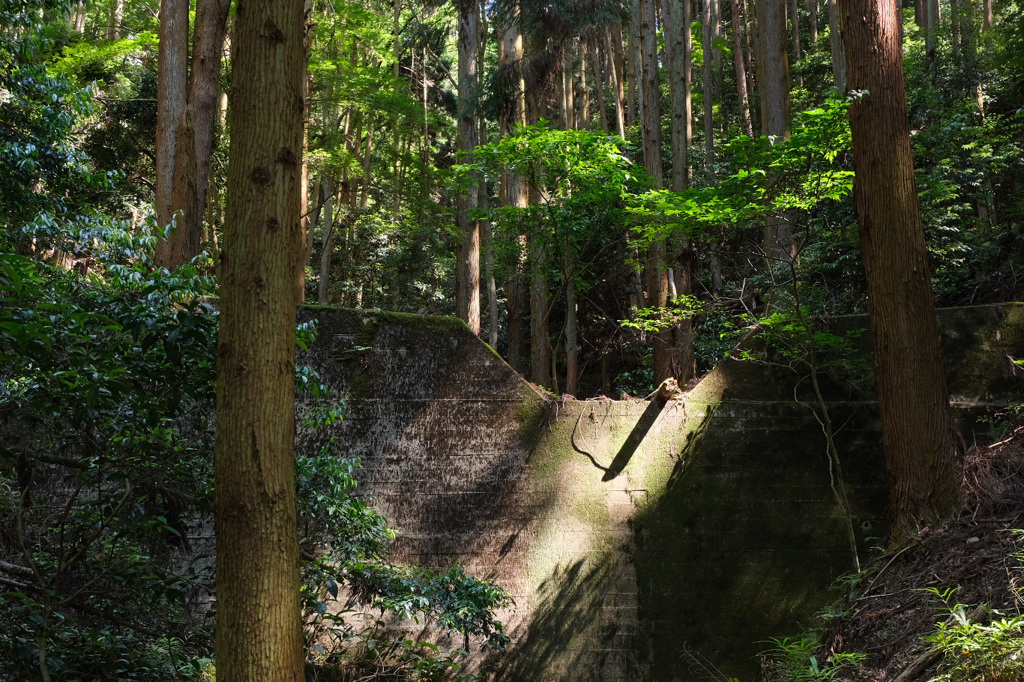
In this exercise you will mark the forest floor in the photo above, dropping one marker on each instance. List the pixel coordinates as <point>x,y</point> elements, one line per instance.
<point>979,555</point>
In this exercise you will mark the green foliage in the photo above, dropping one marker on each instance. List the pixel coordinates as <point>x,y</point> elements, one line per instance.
<point>972,651</point>
<point>796,660</point>
<point>44,176</point>
<point>682,307</point>
<point>760,177</point>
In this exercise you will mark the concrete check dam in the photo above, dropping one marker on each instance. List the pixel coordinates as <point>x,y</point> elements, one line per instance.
<point>640,540</point>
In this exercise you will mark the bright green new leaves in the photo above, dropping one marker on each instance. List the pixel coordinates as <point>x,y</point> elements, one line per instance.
<point>581,181</point>
<point>564,166</point>
<point>762,176</point>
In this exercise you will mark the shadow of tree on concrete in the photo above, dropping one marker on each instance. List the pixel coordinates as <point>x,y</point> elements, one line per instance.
<point>577,631</point>
<point>635,439</point>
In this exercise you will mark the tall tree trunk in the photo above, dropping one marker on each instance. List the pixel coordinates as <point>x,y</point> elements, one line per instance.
<point>599,75</point>
<point>812,11</point>
<point>613,39</point>
<point>114,20</point>
<point>650,93</point>
<point>364,193</point>
<point>716,32</point>
<point>837,46</point>
<point>310,226</point>
<point>468,280</point>
<point>572,352</point>
<point>775,108</point>
<point>954,26</point>
<point>923,450</point>
<point>633,67</point>
<point>487,237</point>
<point>514,191</point>
<point>259,624</point>
<point>650,112</point>
<point>741,72</point>
<point>680,69</point>
<point>752,43</point>
<point>931,29</point>
<point>78,17</point>
<point>194,146</point>
<point>306,226</point>
<point>794,12</point>
<point>172,89</point>
<point>396,29</point>
<point>709,91</point>
<point>540,348</point>
<point>324,289</point>
<point>568,104</point>
<point>583,116</point>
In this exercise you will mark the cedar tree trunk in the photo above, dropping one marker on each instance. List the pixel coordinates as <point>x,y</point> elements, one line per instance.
<point>259,623</point>
<point>923,449</point>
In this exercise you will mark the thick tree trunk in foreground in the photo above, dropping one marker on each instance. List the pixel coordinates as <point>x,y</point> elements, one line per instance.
<point>259,624</point>
<point>923,450</point>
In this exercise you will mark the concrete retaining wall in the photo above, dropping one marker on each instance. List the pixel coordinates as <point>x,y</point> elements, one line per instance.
<point>641,541</point>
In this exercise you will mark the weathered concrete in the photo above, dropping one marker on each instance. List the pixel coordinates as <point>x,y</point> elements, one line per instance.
<point>641,541</point>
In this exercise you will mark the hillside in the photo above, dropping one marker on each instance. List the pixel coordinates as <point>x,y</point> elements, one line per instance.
<point>963,579</point>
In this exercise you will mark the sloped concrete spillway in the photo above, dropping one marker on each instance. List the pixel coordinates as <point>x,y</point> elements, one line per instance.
<point>641,541</point>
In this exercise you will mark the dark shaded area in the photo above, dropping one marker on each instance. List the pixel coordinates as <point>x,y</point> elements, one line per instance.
<point>747,538</point>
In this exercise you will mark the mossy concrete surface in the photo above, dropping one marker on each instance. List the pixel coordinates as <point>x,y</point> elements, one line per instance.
<point>641,541</point>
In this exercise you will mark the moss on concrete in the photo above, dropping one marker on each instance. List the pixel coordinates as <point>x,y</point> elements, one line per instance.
<point>629,534</point>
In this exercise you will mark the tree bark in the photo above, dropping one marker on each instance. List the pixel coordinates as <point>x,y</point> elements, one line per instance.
<point>114,20</point>
<point>837,47</point>
<point>599,75</point>
<point>195,131</point>
<point>324,288</point>
<point>923,450</point>
<point>307,227</point>
<point>650,114</point>
<point>613,37</point>
<point>680,69</point>
<point>741,72</point>
<point>752,54</point>
<point>572,351</point>
<point>932,17</point>
<point>709,91</point>
<point>812,10</point>
<point>259,624</point>
<point>540,349</point>
<point>680,56</point>
<point>364,193</point>
<point>514,191</point>
<point>172,88</point>
<point>468,280</point>
<point>775,109</point>
<point>633,67</point>
<point>794,13</point>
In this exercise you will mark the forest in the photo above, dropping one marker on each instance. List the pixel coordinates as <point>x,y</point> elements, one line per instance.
<point>610,194</point>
